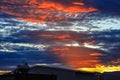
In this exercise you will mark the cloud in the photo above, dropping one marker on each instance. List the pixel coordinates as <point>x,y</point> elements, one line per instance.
<point>42,11</point>
<point>76,33</point>
<point>77,57</point>
<point>9,60</point>
<point>109,40</point>
<point>107,6</point>
<point>17,47</point>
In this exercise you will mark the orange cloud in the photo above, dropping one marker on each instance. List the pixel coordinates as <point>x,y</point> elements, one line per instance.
<point>60,36</point>
<point>96,54</point>
<point>79,3</point>
<point>64,35</point>
<point>77,57</point>
<point>44,10</point>
<point>60,49</point>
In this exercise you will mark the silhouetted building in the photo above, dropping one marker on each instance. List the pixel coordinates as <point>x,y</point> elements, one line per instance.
<point>86,76</point>
<point>62,74</point>
<point>22,69</point>
<point>23,72</point>
<point>111,75</point>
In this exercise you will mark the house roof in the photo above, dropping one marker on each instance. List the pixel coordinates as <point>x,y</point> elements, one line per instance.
<point>51,67</point>
<point>61,69</point>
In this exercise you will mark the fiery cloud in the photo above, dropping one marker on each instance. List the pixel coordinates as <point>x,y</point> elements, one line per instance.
<point>77,57</point>
<point>60,49</point>
<point>43,10</point>
<point>61,36</point>
<point>96,54</point>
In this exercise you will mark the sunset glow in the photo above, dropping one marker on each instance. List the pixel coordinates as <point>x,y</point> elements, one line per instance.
<point>101,69</point>
<point>77,34</point>
<point>3,72</point>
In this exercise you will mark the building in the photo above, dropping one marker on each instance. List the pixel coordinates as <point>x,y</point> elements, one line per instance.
<point>48,73</point>
<point>53,73</point>
<point>111,75</point>
<point>62,74</point>
<point>86,76</point>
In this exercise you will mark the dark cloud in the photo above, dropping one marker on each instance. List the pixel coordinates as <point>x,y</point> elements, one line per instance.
<point>52,37</point>
<point>109,40</point>
<point>108,6</point>
<point>32,57</point>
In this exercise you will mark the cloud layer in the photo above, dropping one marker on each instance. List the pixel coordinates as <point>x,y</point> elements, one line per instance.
<point>76,34</point>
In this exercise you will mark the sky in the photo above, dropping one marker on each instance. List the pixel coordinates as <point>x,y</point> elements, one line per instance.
<point>75,34</point>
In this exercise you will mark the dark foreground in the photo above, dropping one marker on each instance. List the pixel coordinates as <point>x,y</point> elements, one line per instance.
<point>104,76</point>
<point>27,77</point>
